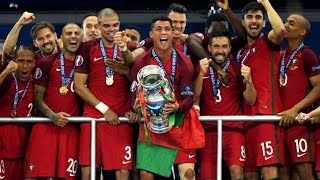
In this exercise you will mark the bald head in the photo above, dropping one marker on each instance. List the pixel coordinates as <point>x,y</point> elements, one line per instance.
<point>65,27</point>
<point>106,12</point>
<point>302,21</point>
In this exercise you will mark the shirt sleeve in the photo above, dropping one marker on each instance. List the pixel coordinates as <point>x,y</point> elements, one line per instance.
<point>310,62</point>
<point>83,62</point>
<point>186,84</point>
<point>42,72</point>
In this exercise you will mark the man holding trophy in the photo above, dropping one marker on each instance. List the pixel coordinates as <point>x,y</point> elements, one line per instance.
<point>171,132</point>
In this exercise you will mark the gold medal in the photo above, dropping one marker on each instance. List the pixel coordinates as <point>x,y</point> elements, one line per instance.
<point>109,81</point>
<point>283,80</point>
<point>63,90</point>
<point>13,113</point>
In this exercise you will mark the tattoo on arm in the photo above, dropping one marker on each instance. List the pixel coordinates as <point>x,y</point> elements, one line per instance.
<point>40,104</point>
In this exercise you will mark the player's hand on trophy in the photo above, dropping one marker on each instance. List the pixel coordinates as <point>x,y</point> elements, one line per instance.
<point>170,107</point>
<point>111,117</point>
<point>133,117</point>
<point>137,105</point>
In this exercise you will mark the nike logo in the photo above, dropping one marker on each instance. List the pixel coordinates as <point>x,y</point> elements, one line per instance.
<point>2,177</point>
<point>58,69</point>
<point>242,159</point>
<point>97,59</point>
<point>300,155</point>
<point>126,162</point>
<point>191,155</point>
<point>205,77</point>
<point>20,91</point>
<point>266,158</point>
<point>71,174</point>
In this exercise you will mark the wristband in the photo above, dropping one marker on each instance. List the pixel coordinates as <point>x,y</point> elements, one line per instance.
<point>196,107</point>
<point>102,107</point>
<point>124,48</point>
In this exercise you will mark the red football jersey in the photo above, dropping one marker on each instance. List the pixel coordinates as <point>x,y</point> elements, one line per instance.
<point>14,136</point>
<point>48,74</point>
<point>117,95</point>
<point>303,66</point>
<point>263,57</point>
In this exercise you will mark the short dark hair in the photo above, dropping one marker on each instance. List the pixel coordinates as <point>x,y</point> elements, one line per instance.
<point>253,6</point>
<point>160,18</point>
<point>88,15</point>
<point>177,7</point>
<point>22,48</point>
<point>14,52</point>
<point>219,34</point>
<point>44,24</point>
<point>216,17</point>
<point>133,27</point>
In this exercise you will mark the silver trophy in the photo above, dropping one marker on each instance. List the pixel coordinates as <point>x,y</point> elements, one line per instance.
<point>157,92</point>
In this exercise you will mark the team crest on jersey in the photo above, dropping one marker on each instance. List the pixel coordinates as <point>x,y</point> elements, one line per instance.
<point>293,65</point>
<point>141,43</point>
<point>79,60</point>
<point>134,86</point>
<point>38,73</point>
<point>31,167</point>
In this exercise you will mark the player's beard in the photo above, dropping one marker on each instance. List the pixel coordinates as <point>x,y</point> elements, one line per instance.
<point>254,36</point>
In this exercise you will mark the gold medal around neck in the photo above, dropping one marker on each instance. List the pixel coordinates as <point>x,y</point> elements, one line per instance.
<point>13,113</point>
<point>109,80</point>
<point>283,80</point>
<point>63,90</point>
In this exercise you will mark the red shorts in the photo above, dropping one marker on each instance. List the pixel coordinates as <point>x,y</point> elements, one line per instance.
<point>299,144</point>
<point>264,145</point>
<point>13,140</point>
<point>14,169</point>
<point>185,156</point>
<point>113,146</point>
<point>232,148</point>
<point>317,136</point>
<point>52,151</point>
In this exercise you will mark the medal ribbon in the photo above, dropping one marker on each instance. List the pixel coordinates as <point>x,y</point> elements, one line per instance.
<point>109,72</point>
<point>283,66</point>
<point>245,56</point>
<point>16,100</point>
<point>173,65</point>
<point>215,82</point>
<point>65,80</point>
<point>185,48</point>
